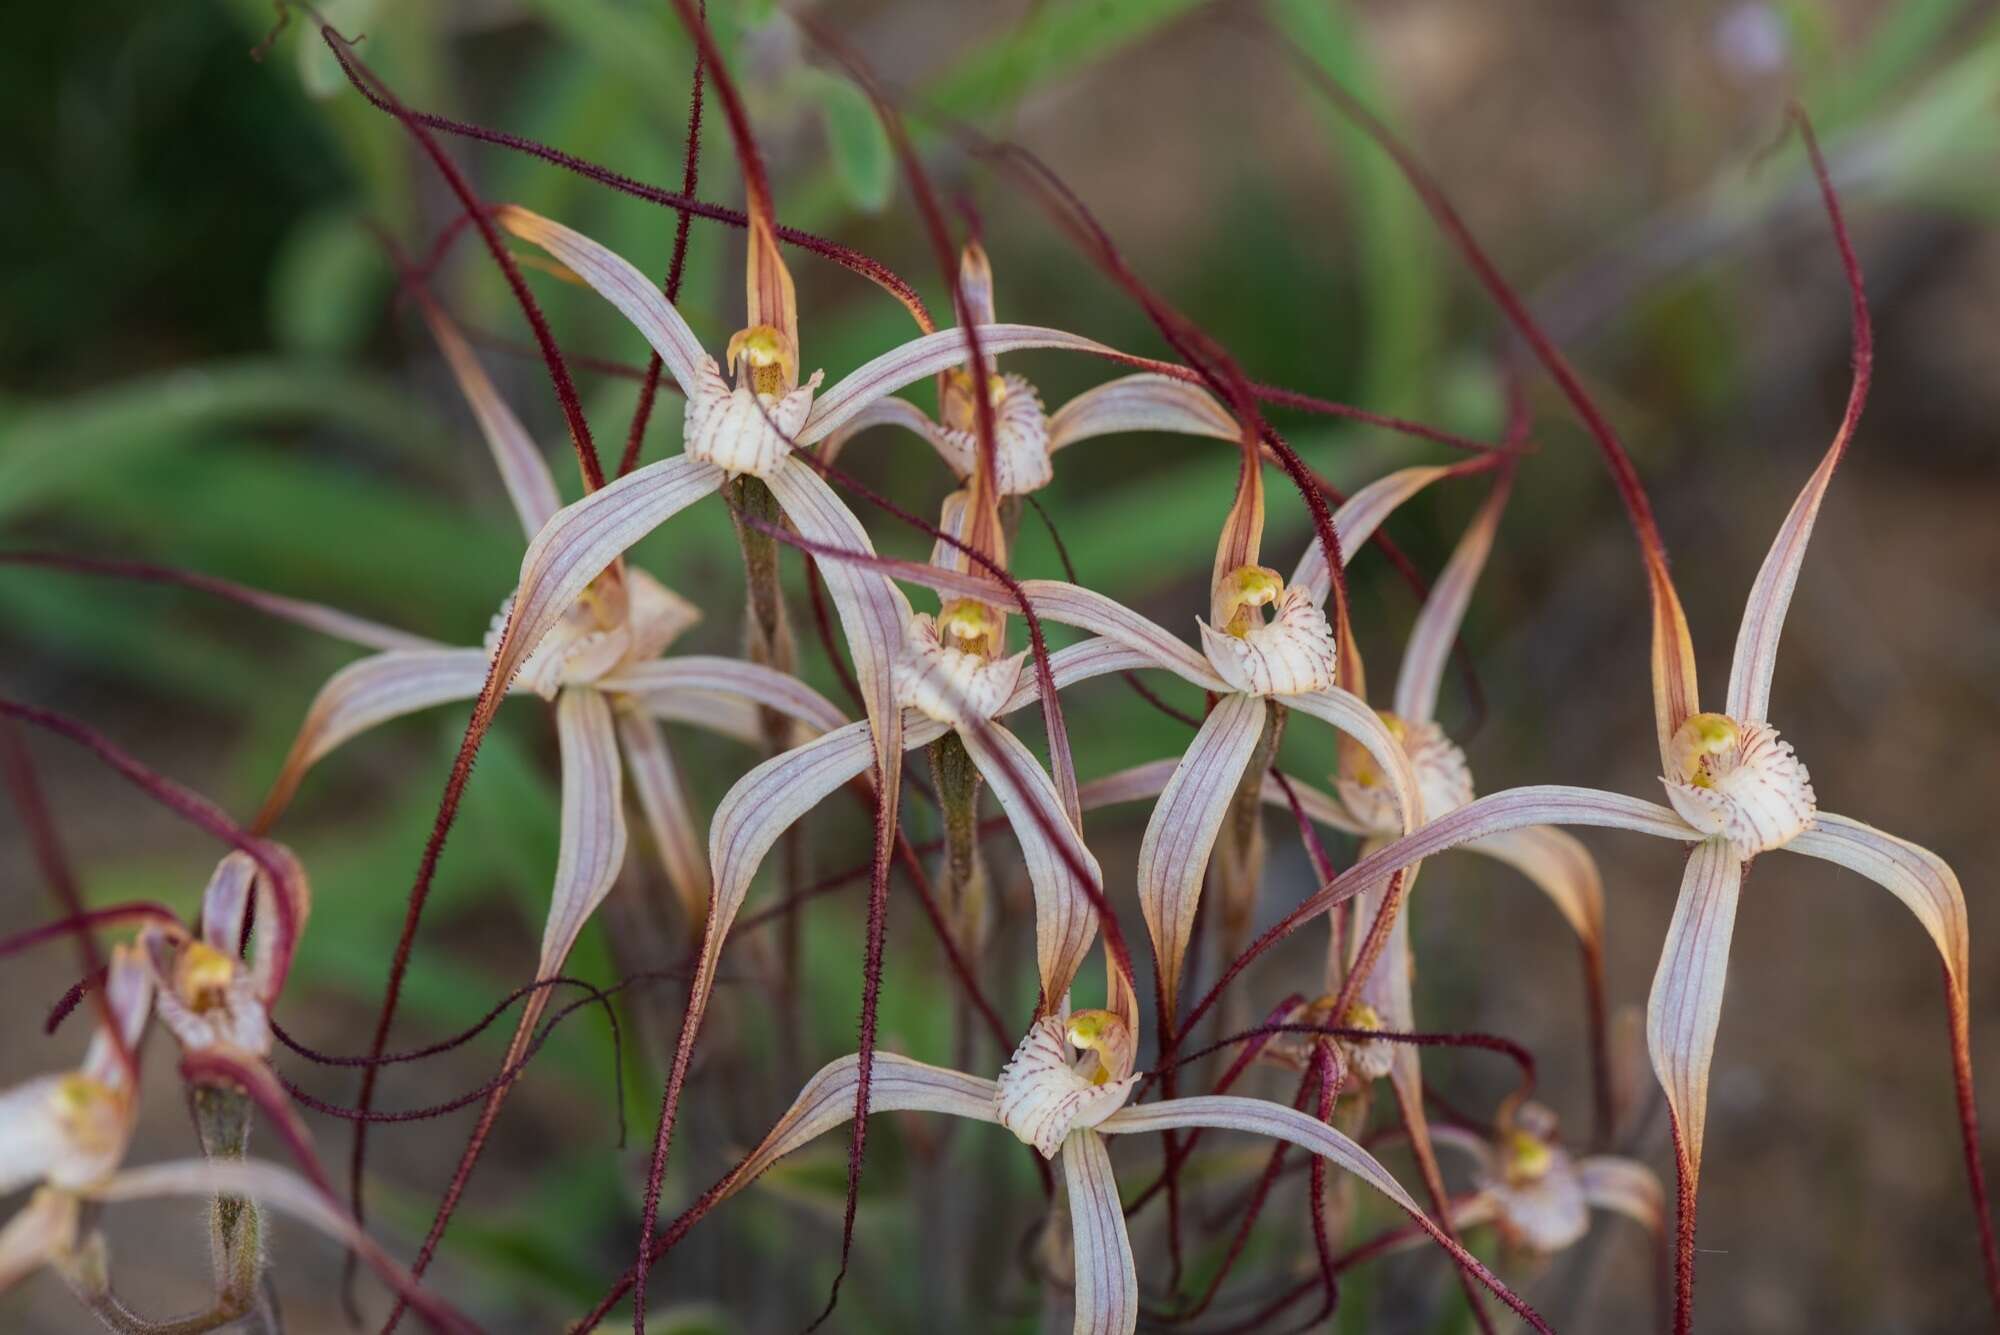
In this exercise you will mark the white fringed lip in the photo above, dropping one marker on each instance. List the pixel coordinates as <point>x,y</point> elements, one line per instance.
<point>740,430</point>
<point>1742,782</point>
<point>1043,1096</point>
<point>1292,654</point>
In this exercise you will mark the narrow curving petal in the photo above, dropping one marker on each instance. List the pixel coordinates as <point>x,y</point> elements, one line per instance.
<point>922,357</point>
<point>1685,1007</point>
<point>1274,1121</point>
<point>1321,807</point>
<point>873,611</point>
<point>593,821</point>
<point>523,470</point>
<point>1921,879</point>
<point>1073,605</point>
<point>892,411</point>
<point>663,801</point>
<point>1065,918</point>
<point>724,715</point>
<point>619,282</point>
<point>1560,867</point>
<point>1349,714</point>
<point>1624,1186</point>
<point>1107,1282</point>
<point>1443,612</point>
<point>583,539</point>
<point>1356,521</point>
<point>280,1189</point>
<point>713,675</point>
<point>1676,692</point>
<point>1144,402</point>
<point>1181,833</point>
<point>1079,662</point>
<point>369,692</point>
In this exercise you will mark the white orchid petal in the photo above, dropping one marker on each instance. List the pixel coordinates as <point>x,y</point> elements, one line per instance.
<point>1625,1187</point>
<point>1107,1282</point>
<point>370,692</point>
<point>724,715</point>
<point>31,1136</point>
<point>1292,654</point>
<point>1756,655</point>
<point>1073,605</point>
<point>1065,919</point>
<point>583,539</point>
<point>1685,1006</point>
<point>593,821</point>
<point>1350,715</point>
<point>618,281</point>
<point>1042,1096</point>
<point>1144,402</point>
<point>523,470</point>
<point>922,357</point>
<point>1356,521</point>
<point>893,411</point>
<point>1443,612</point>
<point>664,802</point>
<point>1180,835</point>
<point>1921,879</point>
<point>715,675</point>
<point>1560,867</point>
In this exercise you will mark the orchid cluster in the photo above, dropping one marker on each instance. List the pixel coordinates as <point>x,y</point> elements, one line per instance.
<point>944,654</point>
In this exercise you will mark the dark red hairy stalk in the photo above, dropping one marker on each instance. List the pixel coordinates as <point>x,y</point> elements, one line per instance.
<point>464,1036</point>
<point>642,411</point>
<point>508,1074</point>
<point>88,920</point>
<point>26,788</point>
<point>1308,832</point>
<point>1254,1043</point>
<point>608,366</point>
<point>72,998</point>
<point>368,82</point>
<point>1327,1067</point>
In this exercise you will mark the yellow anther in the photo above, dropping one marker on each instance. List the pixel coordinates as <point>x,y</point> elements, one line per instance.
<point>955,402</point>
<point>77,1094</point>
<point>1698,743</point>
<point>1244,590</point>
<point>1105,1034</point>
<point>767,357</point>
<point>969,626</point>
<point>1528,1157</point>
<point>202,974</point>
<point>1361,1015</point>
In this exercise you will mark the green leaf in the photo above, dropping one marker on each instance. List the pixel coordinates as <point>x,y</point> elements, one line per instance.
<point>1056,40</point>
<point>862,159</point>
<point>326,285</point>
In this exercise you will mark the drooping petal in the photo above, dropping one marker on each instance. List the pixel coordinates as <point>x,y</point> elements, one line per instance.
<point>712,675</point>
<point>370,692</point>
<point>1347,713</point>
<point>1561,868</point>
<point>279,1189</point>
<point>1065,919</point>
<point>1073,605</point>
<point>723,715</point>
<point>593,821</point>
<point>872,610</point>
<point>1356,521</point>
<point>583,539</point>
<point>891,411</point>
<point>1145,402</point>
<point>1443,612</point>
<point>616,280</point>
<point>1181,833</point>
<point>1921,879</point>
<point>922,357</point>
<point>523,470</point>
<point>663,800</point>
<point>1686,1002</point>
<point>1275,1121</point>
<point>895,1084</point>
<point>1107,1282</point>
<point>1625,1187</point>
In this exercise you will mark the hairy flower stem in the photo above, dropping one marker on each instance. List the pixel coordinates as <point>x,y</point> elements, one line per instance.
<point>1239,866</point>
<point>963,883</point>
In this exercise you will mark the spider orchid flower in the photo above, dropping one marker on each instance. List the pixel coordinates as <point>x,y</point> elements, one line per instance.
<point>602,665</point>
<point>68,1133</point>
<point>1069,1105</point>
<point>205,993</point>
<point>1537,1195</point>
<point>1736,791</point>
